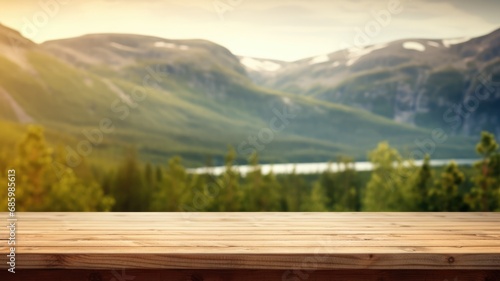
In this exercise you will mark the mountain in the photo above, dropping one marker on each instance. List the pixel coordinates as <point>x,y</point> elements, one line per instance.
<point>99,93</point>
<point>414,81</point>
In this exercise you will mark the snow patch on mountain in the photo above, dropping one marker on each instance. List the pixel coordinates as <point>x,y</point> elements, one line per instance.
<point>260,65</point>
<point>449,42</point>
<point>170,46</point>
<point>165,45</point>
<point>414,46</point>
<point>433,44</point>
<point>354,54</point>
<point>319,59</point>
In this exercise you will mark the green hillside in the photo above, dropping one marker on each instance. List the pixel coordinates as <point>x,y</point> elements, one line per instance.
<point>190,98</point>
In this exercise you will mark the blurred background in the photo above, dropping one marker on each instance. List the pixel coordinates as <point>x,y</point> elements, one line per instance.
<point>236,105</point>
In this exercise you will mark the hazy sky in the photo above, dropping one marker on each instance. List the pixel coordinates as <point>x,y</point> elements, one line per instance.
<point>277,29</point>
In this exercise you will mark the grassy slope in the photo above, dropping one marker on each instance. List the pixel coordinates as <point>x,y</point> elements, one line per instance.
<point>184,119</point>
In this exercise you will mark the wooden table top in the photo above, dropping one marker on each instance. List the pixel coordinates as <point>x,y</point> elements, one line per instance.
<point>454,241</point>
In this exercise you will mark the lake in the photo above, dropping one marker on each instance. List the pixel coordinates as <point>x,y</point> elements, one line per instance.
<point>315,168</point>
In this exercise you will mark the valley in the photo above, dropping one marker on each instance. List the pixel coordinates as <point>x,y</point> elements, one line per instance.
<point>159,98</point>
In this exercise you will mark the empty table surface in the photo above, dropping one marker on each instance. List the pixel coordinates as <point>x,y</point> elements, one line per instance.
<point>316,241</point>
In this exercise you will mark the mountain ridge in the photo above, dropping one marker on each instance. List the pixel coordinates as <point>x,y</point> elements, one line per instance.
<point>414,81</point>
<point>202,101</point>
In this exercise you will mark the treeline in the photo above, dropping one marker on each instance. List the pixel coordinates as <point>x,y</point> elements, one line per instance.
<point>395,184</point>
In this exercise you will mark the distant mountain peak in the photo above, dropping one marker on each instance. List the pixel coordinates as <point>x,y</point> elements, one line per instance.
<point>14,38</point>
<point>118,50</point>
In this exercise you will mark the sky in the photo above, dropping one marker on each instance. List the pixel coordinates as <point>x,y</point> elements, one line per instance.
<point>275,29</point>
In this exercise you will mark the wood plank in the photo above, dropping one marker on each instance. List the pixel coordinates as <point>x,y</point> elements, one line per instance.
<point>255,216</point>
<point>238,231</point>
<point>306,261</point>
<point>252,275</point>
<point>252,237</point>
<point>257,250</point>
<point>226,241</point>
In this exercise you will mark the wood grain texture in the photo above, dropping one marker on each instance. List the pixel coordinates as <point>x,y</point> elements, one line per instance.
<point>256,241</point>
<point>251,275</point>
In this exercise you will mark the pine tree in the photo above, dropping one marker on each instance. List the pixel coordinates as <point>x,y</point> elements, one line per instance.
<point>230,195</point>
<point>274,199</point>
<point>342,188</point>
<point>485,195</point>
<point>252,185</point>
<point>149,186</point>
<point>159,174</point>
<point>48,185</point>
<point>445,195</point>
<point>70,193</point>
<point>33,160</point>
<point>316,201</point>
<point>297,192</point>
<point>128,185</point>
<point>261,193</point>
<point>175,188</point>
<point>387,189</point>
<point>421,186</point>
